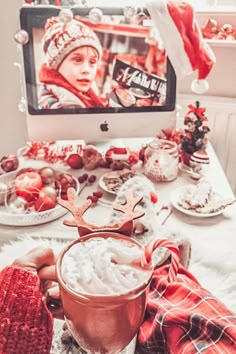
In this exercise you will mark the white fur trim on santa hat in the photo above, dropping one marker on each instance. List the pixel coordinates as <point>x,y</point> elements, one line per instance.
<point>173,42</point>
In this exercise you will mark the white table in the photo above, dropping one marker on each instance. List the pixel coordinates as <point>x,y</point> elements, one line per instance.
<point>213,239</point>
<point>99,214</point>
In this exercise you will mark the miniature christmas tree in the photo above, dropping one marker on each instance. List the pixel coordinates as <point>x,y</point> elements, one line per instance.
<point>195,137</point>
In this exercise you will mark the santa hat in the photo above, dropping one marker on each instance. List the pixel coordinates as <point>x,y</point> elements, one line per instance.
<point>182,40</point>
<point>61,38</point>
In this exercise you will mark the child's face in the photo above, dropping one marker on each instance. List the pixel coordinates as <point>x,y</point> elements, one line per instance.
<point>79,67</point>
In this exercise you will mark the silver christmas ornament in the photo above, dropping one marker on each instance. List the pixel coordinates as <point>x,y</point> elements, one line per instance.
<point>4,191</point>
<point>95,15</point>
<point>70,2</point>
<point>22,105</point>
<point>43,2</point>
<point>17,205</point>
<point>66,15</point>
<point>21,37</point>
<point>130,12</point>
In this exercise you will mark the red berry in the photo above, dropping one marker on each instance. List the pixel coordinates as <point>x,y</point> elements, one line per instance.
<point>44,203</point>
<point>92,179</point>
<point>93,198</point>
<point>153,197</point>
<point>98,194</point>
<point>81,179</point>
<point>9,163</point>
<point>85,176</point>
<point>75,161</point>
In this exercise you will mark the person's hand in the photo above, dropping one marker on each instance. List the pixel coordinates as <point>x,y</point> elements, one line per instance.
<point>41,261</point>
<point>38,259</point>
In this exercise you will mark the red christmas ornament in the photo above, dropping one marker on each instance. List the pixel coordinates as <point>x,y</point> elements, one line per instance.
<point>23,170</point>
<point>28,185</point>
<point>75,161</point>
<point>44,203</point>
<point>9,163</point>
<point>65,181</point>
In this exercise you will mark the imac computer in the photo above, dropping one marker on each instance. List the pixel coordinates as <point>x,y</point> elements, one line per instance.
<point>133,89</point>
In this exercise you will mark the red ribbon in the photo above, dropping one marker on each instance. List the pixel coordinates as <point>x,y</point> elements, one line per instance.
<point>198,111</point>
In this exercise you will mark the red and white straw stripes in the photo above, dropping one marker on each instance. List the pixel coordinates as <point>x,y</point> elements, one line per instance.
<point>174,250</point>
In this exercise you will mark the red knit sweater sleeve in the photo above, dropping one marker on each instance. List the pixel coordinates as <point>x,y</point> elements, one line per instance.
<point>26,325</point>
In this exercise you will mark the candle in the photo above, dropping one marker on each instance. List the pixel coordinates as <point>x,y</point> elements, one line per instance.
<point>28,185</point>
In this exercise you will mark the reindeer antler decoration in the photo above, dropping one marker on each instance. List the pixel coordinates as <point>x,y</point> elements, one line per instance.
<point>124,226</point>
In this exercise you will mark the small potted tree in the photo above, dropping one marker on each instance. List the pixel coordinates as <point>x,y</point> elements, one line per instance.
<point>194,137</point>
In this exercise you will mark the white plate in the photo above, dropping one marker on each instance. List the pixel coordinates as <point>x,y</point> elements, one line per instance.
<point>175,197</point>
<point>104,186</point>
<point>31,218</point>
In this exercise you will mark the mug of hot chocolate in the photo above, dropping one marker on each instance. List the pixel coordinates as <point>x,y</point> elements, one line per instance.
<point>104,281</point>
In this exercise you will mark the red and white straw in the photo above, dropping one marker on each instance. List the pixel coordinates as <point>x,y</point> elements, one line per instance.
<point>174,250</point>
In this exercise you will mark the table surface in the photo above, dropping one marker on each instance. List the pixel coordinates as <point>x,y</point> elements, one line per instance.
<point>198,230</point>
<point>99,213</point>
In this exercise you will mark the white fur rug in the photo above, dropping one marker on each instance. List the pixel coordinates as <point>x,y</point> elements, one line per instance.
<point>216,271</point>
<point>213,263</point>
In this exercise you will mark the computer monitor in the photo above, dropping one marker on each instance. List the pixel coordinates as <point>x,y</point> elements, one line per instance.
<point>135,80</point>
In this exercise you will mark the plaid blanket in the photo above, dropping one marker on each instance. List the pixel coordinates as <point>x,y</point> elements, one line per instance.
<point>182,317</point>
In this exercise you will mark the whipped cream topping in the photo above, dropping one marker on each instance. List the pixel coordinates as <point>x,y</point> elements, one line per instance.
<point>101,266</point>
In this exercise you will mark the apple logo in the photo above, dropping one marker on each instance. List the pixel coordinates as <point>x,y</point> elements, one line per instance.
<point>104,126</point>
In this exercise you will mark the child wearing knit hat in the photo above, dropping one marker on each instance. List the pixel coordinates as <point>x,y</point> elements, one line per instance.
<point>72,51</point>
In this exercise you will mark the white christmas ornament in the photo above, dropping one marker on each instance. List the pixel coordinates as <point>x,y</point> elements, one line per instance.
<point>21,37</point>
<point>66,15</point>
<point>130,12</point>
<point>95,15</point>
<point>22,105</point>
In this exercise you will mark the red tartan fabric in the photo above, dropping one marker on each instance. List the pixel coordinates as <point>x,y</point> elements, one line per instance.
<point>183,318</point>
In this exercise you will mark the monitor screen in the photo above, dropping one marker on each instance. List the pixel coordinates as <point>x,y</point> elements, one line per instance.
<point>93,80</point>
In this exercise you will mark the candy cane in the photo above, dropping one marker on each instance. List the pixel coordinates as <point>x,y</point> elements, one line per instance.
<point>174,250</point>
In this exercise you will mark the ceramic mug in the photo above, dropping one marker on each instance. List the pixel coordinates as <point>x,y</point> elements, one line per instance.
<point>105,323</point>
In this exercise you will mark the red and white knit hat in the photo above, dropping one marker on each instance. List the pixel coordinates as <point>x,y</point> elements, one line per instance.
<point>61,38</point>
<point>182,40</point>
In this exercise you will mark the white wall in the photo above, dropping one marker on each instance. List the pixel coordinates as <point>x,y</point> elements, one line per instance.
<point>13,133</point>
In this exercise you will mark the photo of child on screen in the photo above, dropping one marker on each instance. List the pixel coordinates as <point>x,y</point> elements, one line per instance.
<point>67,78</point>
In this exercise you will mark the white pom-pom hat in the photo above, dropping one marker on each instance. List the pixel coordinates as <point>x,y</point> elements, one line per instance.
<point>62,38</point>
<point>183,40</point>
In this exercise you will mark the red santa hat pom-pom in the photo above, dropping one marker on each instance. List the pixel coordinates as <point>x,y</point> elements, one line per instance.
<point>183,41</point>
